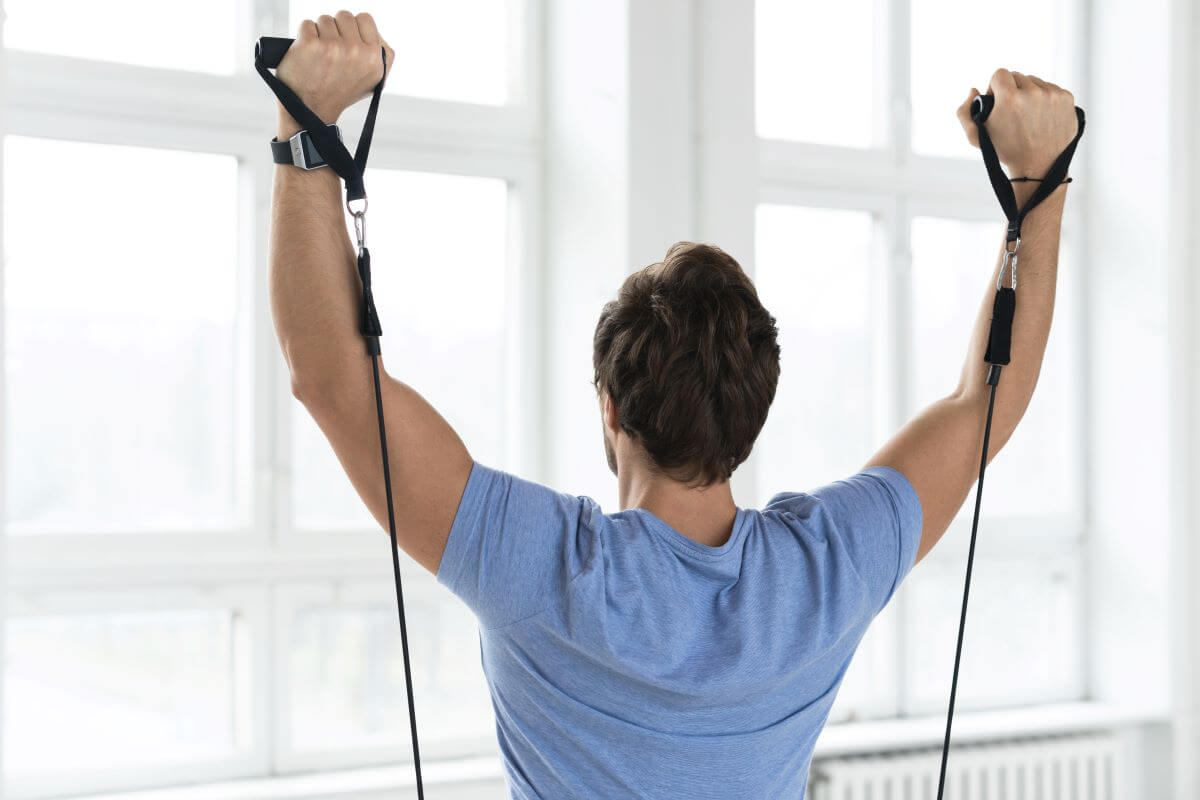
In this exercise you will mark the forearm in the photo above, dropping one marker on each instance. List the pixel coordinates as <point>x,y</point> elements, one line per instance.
<point>1037,273</point>
<point>314,285</point>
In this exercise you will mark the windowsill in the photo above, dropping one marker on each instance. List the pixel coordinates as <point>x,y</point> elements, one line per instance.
<point>348,784</point>
<point>840,739</point>
<point>917,732</point>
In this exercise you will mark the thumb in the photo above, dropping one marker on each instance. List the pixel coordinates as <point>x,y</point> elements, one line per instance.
<point>964,118</point>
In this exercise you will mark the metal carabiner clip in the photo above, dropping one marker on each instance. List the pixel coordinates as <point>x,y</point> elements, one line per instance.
<point>360,229</point>
<point>1010,261</point>
<point>360,222</point>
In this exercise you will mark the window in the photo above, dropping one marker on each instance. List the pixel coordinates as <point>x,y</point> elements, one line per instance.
<point>959,45</point>
<point>80,698</point>
<point>201,42</point>
<point>873,242</point>
<point>137,309</point>
<point>345,693</point>
<point>816,71</point>
<point>197,593</point>
<point>425,255</point>
<point>452,49</point>
<point>813,271</point>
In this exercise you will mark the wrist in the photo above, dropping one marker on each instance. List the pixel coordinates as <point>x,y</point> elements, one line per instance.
<point>1031,167</point>
<point>288,126</point>
<point>1023,191</point>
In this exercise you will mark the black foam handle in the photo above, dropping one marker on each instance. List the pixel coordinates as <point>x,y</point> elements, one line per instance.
<point>271,50</point>
<point>981,108</point>
<point>1000,335</point>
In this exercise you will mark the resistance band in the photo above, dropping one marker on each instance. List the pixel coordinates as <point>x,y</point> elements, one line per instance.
<point>267,54</point>
<point>999,336</point>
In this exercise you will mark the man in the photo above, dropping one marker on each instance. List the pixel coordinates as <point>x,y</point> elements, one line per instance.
<point>682,647</point>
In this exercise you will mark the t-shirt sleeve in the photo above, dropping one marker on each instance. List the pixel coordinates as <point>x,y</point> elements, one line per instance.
<point>876,514</point>
<point>514,545</point>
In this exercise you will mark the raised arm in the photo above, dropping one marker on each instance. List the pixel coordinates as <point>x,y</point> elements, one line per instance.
<point>939,449</point>
<point>315,295</point>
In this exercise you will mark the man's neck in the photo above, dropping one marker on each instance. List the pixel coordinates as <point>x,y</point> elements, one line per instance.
<point>705,516</point>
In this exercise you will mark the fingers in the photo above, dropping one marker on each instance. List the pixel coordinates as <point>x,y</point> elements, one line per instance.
<point>964,118</point>
<point>327,27</point>
<point>307,31</point>
<point>370,34</point>
<point>1020,80</point>
<point>347,26</point>
<point>1002,82</point>
<point>367,29</point>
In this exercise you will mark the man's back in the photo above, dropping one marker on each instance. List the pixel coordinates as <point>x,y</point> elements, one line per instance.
<point>626,660</point>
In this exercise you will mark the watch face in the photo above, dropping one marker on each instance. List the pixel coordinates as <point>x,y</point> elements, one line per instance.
<point>311,157</point>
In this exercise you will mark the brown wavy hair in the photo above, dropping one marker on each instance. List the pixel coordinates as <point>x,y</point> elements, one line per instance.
<point>690,359</point>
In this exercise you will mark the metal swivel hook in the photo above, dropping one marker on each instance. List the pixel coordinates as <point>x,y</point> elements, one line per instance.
<point>360,228</point>
<point>1010,261</point>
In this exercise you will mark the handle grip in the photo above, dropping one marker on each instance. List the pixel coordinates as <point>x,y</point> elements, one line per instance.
<point>981,107</point>
<point>271,50</point>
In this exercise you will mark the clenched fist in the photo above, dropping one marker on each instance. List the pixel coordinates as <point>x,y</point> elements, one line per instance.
<point>1032,122</point>
<point>334,63</point>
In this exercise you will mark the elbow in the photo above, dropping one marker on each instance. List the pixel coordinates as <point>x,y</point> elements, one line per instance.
<point>306,390</point>
<point>327,384</point>
<point>314,389</point>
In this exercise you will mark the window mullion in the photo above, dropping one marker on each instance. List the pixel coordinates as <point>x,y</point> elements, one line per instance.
<point>898,349</point>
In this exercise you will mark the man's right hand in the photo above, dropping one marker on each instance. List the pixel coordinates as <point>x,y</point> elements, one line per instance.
<point>333,63</point>
<point>1032,122</point>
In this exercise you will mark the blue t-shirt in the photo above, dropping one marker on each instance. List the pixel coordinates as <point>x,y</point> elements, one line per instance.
<point>628,661</point>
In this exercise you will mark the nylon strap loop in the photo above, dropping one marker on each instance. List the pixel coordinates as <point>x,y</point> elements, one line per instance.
<point>980,111</point>
<point>267,53</point>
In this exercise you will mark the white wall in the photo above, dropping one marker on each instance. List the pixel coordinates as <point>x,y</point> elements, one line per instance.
<point>1125,183</point>
<point>1140,187</point>
<point>1183,246</point>
<point>3,393</point>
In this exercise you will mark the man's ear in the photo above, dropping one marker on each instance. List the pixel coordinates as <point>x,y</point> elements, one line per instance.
<point>608,412</point>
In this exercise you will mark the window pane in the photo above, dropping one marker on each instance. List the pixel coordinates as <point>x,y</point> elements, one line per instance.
<point>953,261</point>
<point>1022,640</point>
<point>815,68</point>
<point>117,31</point>
<point>439,268</point>
<point>450,50</point>
<point>347,676</point>
<point>958,45</point>
<point>812,272</point>
<point>121,690</point>
<point>122,338</point>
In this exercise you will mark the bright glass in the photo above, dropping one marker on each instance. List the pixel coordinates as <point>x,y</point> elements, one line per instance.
<point>122,339</point>
<point>122,690</point>
<point>953,262</point>
<point>815,67</point>
<point>957,45</point>
<point>347,677</point>
<point>1022,640</point>
<point>440,272</point>
<point>148,33</point>
<point>449,50</point>
<point>813,273</point>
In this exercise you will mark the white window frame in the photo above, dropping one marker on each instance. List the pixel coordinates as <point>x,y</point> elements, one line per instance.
<point>269,559</point>
<point>737,170</point>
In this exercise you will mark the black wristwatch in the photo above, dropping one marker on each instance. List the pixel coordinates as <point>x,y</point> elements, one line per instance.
<point>299,150</point>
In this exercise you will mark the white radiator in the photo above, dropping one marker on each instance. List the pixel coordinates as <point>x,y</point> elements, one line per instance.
<point>1060,768</point>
